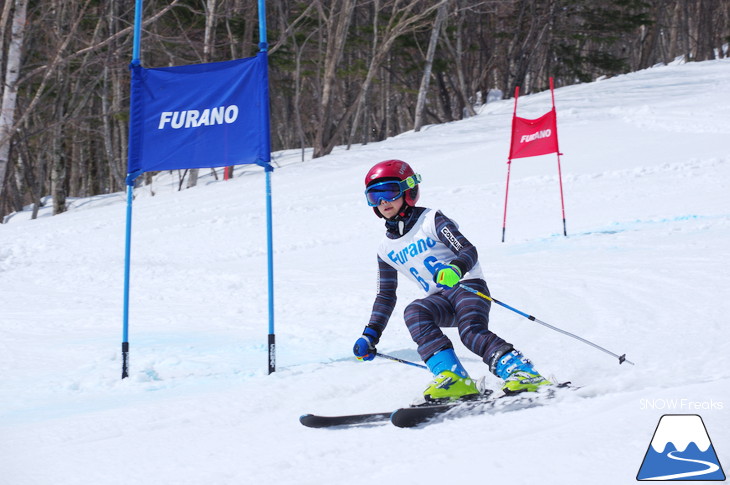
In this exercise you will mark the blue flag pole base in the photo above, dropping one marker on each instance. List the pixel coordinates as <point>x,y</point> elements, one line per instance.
<point>272,353</point>
<point>125,360</point>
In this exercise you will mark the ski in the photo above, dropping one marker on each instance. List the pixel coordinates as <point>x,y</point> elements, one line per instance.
<point>316,421</point>
<point>408,417</point>
<point>411,416</point>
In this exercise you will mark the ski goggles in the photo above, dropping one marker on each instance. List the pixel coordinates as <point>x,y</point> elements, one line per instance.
<point>390,190</point>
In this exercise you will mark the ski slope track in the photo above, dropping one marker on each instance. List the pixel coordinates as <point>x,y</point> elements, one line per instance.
<point>645,271</point>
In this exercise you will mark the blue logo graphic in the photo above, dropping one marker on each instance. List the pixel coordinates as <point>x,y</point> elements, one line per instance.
<point>681,450</point>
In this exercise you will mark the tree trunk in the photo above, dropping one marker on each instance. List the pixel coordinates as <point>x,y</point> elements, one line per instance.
<point>10,93</point>
<point>337,27</point>
<point>4,19</point>
<point>210,7</point>
<point>58,174</point>
<point>426,78</point>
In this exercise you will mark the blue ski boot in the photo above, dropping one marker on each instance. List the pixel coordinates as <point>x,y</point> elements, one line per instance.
<point>517,371</point>
<point>451,381</point>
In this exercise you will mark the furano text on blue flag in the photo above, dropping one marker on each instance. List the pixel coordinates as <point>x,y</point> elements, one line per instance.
<point>194,118</point>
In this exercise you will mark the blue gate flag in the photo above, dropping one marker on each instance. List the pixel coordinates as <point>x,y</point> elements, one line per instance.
<point>199,116</point>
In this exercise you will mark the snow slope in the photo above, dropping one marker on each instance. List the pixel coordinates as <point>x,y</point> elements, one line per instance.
<point>645,271</point>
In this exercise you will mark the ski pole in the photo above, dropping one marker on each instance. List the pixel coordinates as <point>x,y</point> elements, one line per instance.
<point>396,359</point>
<point>621,358</point>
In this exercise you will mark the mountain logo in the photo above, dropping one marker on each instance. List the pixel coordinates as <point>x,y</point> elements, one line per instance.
<point>681,450</point>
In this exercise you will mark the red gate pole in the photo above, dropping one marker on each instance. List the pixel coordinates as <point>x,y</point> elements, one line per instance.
<point>557,144</point>
<point>506,195</point>
<point>509,163</point>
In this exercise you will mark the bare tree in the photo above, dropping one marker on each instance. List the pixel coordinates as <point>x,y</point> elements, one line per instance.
<point>4,19</point>
<point>10,92</point>
<point>402,19</point>
<point>210,19</point>
<point>337,22</point>
<point>426,79</point>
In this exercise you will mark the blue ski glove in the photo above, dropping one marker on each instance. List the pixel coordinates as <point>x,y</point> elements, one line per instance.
<point>446,275</point>
<point>364,348</point>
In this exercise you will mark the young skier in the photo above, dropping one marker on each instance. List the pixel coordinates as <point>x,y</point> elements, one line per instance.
<point>427,248</point>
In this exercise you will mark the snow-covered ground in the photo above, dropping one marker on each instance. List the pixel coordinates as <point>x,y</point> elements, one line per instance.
<point>645,270</point>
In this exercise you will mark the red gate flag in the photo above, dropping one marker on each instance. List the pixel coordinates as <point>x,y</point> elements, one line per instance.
<point>531,138</point>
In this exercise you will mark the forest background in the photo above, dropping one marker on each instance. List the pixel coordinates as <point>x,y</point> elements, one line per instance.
<point>342,72</point>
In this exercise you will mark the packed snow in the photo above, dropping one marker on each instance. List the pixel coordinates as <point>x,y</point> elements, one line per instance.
<point>644,270</point>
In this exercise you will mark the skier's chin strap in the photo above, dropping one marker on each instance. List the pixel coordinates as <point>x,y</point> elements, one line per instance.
<point>400,223</point>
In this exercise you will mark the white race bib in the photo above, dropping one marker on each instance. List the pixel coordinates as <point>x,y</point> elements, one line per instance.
<point>417,252</point>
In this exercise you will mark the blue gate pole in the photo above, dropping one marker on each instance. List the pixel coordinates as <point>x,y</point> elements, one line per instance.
<point>263,48</point>
<point>270,250</point>
<point>130,198</point>
<point>137,30</point>
<point>127,260</point>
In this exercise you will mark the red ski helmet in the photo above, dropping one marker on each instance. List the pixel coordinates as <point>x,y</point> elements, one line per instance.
<point>395,170</point>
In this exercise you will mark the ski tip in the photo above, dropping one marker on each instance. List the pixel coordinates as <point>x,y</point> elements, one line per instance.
<point>317,421</point>
<point>308,420</point>
<point>396,419</point>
